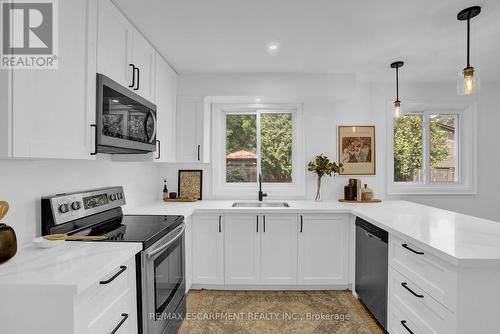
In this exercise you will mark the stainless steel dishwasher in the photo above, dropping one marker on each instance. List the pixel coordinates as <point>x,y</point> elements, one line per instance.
<point>371,268</point>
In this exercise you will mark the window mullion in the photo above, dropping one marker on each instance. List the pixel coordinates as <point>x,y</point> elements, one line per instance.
<point>258,113</point>
<point>426,148</point>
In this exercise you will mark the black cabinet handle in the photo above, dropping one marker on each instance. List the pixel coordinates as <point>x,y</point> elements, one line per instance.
<point>220,227</point>
<point>95,139</point>
<point>158,156</point>
<point>138,78</point>
<point>125,317</point>
<point>412,250</point>
<point>122,269</point>
<point>301,223</point>
<point>403,322</point>
<point>257,224</point>
<point>199,149</point>
<point>133,76</point>
<point>405,285</point>
<point>264,219</point>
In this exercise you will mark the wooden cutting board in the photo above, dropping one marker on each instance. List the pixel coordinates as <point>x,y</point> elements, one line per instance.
<point>358,202</point>
<point>180,200</point>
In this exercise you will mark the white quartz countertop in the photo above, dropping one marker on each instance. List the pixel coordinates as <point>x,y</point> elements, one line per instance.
<point>73,266</point>
<point>457,238</point>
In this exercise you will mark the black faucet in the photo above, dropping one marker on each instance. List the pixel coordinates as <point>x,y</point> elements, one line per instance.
<point>261,194</point>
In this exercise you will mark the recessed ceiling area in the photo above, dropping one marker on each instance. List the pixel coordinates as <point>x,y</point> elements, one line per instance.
<point>321,36</point>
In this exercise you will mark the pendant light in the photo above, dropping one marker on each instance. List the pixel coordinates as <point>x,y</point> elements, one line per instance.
<point>397,103</point>
<point>468,81</point>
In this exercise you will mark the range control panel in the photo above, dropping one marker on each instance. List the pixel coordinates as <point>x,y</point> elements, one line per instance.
<point>70,206</point>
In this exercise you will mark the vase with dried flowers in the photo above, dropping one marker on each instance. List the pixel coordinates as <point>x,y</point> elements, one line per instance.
<point>322,166</point>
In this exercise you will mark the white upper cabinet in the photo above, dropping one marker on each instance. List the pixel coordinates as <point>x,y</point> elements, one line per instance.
<point>47,113</point>
<point>123,53</point>
<point>279,249</point>
<point>190,118</point>
<point>323,249</point>
<point>165,97</point>
<point>242,248</point>
<point>143,58</point>
<point>114,44</point>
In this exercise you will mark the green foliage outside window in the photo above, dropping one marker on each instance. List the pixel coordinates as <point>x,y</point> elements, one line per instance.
<point>408,149</point>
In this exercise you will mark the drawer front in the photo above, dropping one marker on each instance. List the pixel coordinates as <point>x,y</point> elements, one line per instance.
<point>117,316</point>
<point>433,275</point>
<point>401,323</point>
<point>420,304</point>
<point>99,296</point>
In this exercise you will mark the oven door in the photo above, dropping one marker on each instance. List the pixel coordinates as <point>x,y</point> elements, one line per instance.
<point>164,281</point>
<point>126,122</point>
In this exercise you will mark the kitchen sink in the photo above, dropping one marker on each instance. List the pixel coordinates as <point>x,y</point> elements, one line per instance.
<point>260,205</point>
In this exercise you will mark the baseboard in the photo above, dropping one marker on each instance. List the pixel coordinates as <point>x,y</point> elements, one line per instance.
<point>270,287</point>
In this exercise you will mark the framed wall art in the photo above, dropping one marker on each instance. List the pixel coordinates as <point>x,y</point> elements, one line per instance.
<point>190,183</point>
<point>356,149</point>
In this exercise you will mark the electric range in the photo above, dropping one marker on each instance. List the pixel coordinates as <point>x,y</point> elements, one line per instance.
<point>161,281</point>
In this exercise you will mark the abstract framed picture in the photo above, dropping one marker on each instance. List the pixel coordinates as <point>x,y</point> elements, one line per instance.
<point>190,183</point>
<point>356,149</point>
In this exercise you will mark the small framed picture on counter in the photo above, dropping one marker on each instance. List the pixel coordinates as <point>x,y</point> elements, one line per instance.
<point>357,149</point>
<point>190,183</point>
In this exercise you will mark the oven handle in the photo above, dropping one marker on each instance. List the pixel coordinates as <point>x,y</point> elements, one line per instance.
<point>165,246</point>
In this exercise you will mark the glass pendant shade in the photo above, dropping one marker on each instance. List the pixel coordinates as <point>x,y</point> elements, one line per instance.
<point>468,81</point>
<point>397,108</point>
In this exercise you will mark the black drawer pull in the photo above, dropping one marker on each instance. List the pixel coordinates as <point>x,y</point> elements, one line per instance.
<point>264,221</point>
<point>125,317</point>
<point>412,250</point>
<point>403,322</point>
<point>220,227</point>
<point>257,224</point>
<point>122,269</point>
<point>301,223</point>
<point>405,285</point>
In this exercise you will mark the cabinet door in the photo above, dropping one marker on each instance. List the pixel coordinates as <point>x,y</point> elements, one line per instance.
<point>279,249</point>
<point>208,249</point>
<point>242,248</point>
<point>165,97</point>
<point>323,249</point>
<point>114,44</point>
<point>143,57</point>
<point>189,129</point>
<point>52,109</point>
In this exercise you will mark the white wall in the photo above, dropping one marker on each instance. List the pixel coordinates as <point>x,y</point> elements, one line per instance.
<point>487,201</point>
<point>24,182</point>
<point>362,104</point>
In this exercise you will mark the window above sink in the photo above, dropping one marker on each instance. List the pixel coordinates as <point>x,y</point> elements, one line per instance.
<point>253,139</point>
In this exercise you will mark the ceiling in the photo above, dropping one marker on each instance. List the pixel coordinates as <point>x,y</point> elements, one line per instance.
<point>321,36</point>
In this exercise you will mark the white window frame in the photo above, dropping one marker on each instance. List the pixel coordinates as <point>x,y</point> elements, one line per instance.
<point>465,153</point>
<point>244,190</point>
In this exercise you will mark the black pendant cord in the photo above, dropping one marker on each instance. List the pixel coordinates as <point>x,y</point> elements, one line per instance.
<point>468,42</point>
<point>397,83</point>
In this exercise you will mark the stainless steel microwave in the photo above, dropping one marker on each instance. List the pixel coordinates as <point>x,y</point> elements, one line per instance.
<point>125,122</point>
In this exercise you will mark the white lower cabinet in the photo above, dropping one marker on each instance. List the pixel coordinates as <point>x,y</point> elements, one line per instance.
<point>279,249</point>
<point>207,249</point>
<point>109,304</point>
<point>323,249</point>
<point>242,248</point>
<point>270,249</point>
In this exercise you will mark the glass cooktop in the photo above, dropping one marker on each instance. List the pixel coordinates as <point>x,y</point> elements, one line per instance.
<point>134,228</point>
